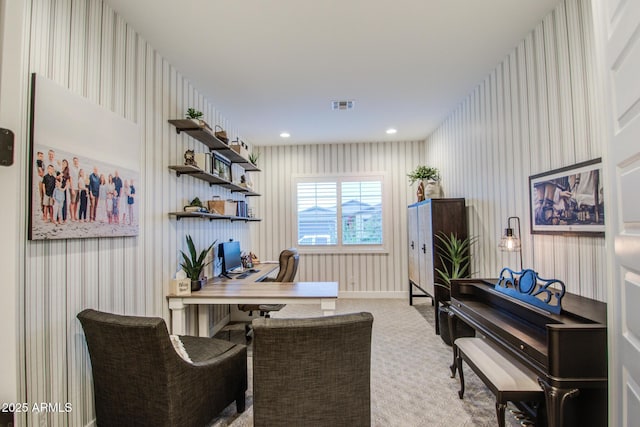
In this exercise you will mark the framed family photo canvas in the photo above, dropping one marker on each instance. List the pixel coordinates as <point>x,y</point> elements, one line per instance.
<point>85,170</point>
<point>568,200</point>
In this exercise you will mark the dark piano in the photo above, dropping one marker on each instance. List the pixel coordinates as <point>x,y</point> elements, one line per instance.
<point>568,351</point>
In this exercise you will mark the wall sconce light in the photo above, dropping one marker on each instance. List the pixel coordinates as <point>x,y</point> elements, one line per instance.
<point>510,242</point>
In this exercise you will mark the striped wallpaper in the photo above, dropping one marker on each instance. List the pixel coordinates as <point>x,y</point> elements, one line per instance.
<point>84,46</point>
<point>537,111</point>
<point>534,112</point>
<point>379,275</point>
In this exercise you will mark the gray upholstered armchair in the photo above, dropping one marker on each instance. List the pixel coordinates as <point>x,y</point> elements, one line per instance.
<point>140,379</point>
<point>313,371</point>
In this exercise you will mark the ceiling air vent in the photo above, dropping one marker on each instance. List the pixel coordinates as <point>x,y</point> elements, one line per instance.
<point>341,105</point>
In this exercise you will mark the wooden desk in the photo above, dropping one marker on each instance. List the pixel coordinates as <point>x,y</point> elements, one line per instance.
<point>249,291</point>
<point>262,272</point>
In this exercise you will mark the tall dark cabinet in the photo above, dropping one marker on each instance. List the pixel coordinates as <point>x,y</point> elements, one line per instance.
<point>425,220</point>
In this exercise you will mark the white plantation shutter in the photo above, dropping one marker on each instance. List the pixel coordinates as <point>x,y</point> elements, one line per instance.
<point>361,212</point>
<point>341,212</point>
<point>317,220</point>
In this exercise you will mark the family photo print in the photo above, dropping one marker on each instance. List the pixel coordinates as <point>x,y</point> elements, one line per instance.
<point>84,168</point>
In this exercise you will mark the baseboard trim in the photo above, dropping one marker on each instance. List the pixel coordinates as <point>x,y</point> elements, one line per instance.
<point>374,295</point>
<point>219,325</point>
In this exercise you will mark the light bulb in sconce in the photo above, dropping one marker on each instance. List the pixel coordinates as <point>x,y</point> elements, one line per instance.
<point>509,242</point>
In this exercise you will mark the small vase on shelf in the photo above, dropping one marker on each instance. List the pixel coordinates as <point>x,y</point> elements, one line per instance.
<point>420,192</point>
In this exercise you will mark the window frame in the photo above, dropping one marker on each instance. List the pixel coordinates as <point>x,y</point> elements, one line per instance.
<point>341,248</point>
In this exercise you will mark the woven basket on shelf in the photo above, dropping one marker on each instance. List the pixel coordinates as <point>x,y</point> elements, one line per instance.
<point>221,134</point>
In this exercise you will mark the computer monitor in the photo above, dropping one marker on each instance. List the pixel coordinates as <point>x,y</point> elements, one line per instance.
<point>231,256</point>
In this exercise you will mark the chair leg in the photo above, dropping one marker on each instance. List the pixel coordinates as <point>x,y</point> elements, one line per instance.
<point>500,407</point>
<point>240,403</point>
<point>461,375</point>
<point>453,366</point>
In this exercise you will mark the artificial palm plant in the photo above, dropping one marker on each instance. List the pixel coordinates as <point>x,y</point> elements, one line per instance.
<point>454,255</point>
<point>455,258</point>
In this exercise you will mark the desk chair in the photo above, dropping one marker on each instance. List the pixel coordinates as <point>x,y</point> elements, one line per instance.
<point>289,259</point>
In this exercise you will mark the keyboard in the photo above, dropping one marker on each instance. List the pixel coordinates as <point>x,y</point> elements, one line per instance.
<point>246,274</point>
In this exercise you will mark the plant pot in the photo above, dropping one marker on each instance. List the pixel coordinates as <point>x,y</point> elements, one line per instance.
<point>201,123</point>
<point>196,285</point>
<point>432,189</point>
<point>462,329</point>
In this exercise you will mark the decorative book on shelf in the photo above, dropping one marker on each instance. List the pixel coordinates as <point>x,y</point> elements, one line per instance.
<point>528,287</point>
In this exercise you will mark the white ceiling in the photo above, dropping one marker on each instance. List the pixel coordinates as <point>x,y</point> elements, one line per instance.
<point>275,65</point>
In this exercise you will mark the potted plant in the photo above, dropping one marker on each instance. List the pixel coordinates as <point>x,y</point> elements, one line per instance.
<point>428,176</point>
<point>196,116</point>
<point>193,263</point>
<point>424,173</point>
<point>195,206</point>
<point>455,257</point>
<point>253,157</point>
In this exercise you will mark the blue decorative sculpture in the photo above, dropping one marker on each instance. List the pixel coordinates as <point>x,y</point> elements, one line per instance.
<point>527,286</point>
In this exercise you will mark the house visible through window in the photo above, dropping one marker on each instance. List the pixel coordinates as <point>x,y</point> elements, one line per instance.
<point>342,212</point>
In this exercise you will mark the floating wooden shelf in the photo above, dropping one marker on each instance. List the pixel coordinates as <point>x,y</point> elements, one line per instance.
<point>208,138</point>
<point>211,217</point>
<point>236,158</point>
<point>212,179</point>
<point>203,135</point>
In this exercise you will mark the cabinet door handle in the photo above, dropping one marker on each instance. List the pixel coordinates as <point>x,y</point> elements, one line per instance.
<point>412,245</point>
<point>424,248</point>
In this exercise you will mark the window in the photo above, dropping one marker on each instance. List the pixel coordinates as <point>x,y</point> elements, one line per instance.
<point>344,213</point>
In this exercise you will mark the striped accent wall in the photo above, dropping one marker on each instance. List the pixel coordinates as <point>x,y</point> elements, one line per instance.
<point>84,46</point>
<point>538,109</point>
<point>380,275</point>
<point>535,112</point>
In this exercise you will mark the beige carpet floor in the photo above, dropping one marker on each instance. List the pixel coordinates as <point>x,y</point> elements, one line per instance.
<point>410,377</point>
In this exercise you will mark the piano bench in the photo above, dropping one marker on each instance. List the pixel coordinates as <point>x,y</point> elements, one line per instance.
<point>507,379</point>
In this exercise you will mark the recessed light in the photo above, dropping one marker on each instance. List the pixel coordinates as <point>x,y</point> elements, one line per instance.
<point>285,135</point>
<point>391,131</point>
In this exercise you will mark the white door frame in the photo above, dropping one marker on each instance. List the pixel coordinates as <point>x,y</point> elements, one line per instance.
<point>618,58</point>
<point>13,116</point>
